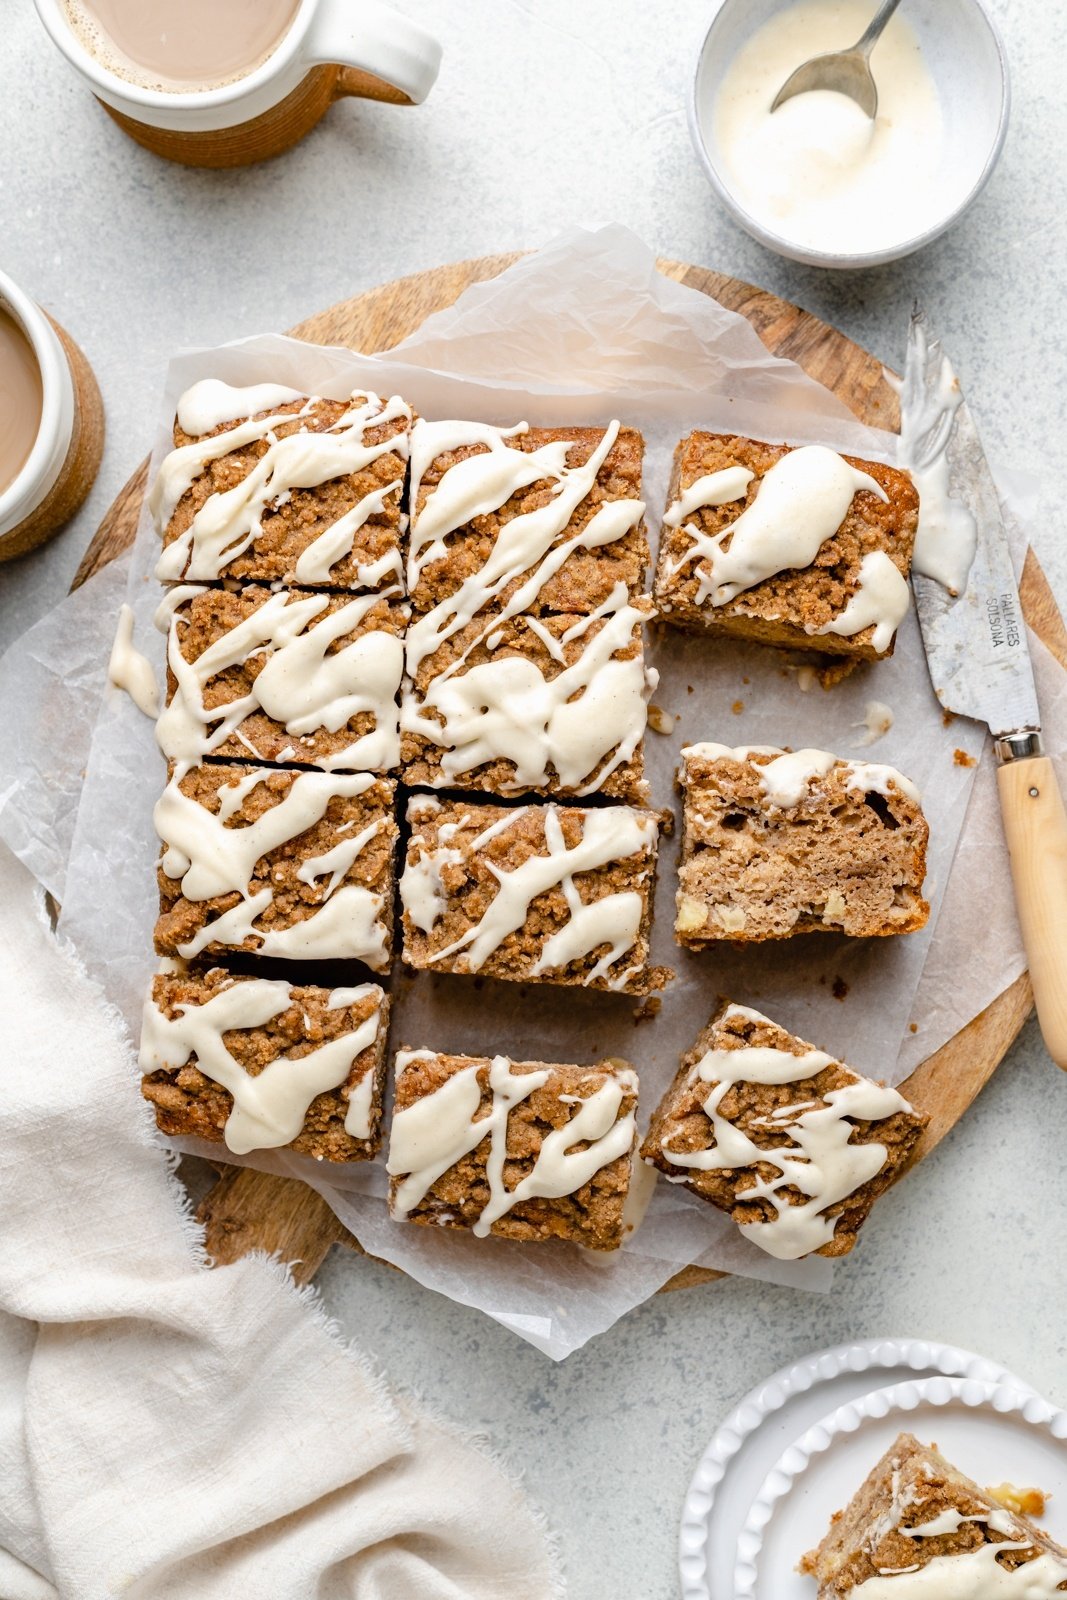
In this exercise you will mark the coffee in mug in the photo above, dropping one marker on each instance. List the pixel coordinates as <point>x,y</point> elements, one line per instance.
<point>221,83</point>
<point>21,399</point>
<point>178,46</point>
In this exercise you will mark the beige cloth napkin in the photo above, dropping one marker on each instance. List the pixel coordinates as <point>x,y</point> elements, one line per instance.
<point>170,1432</point>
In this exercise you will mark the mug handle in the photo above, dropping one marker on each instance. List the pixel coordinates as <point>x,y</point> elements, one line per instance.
<point>382,55</point>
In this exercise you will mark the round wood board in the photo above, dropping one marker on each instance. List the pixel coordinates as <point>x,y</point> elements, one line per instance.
<point>248,1210</point>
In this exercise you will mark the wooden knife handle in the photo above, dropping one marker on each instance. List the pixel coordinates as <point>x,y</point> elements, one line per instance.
<point>1035,825</point>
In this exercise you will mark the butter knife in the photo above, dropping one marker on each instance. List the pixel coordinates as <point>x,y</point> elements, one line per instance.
<point>967,600</point>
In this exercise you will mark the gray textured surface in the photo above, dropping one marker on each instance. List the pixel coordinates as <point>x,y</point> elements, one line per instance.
<point>548,114</point>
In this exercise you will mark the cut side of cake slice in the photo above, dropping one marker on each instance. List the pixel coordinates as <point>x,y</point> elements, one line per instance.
<point>779,842</point>
<point>919,1529</point>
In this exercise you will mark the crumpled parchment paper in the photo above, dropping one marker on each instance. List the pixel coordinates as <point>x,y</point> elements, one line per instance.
<point>584,330</point>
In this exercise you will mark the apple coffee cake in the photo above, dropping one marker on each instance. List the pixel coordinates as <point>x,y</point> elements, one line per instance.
<point>802,548</point>
<point>919,1529</point>
<point>299,865</point>
<point>776,843</point>
<point>793,1145</point>
<point>518,1149</point>
<point>531,893</point>
<point>260,1062</point>
<point>282,675</point>
<point>268,485</point>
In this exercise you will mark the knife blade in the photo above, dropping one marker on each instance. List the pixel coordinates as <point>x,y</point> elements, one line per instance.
<point>970,617</point>
<point>975,642</point>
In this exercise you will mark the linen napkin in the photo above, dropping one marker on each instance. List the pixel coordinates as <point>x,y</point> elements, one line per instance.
<point>174,1432</point>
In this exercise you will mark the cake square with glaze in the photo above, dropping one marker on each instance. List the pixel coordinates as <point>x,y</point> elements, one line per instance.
<point>790,1143</point>
<point>258,1063</point>
<point>520,1150</point>
<point>298,865</point>
<point>531,893</point>
<point>552,705</point>
<point>919,1529</point>
<point>544,519</point>
<point>776,843</point>
<point>297,489</point>
<point>796,547</point>
<point>291,676</point>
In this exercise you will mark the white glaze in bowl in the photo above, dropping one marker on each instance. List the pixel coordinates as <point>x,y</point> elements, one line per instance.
<point>965,56</point>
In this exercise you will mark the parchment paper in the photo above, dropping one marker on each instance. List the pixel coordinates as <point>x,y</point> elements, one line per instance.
<point>583,331</point>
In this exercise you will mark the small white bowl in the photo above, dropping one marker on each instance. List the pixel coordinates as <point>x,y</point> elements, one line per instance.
<point>965,56</point>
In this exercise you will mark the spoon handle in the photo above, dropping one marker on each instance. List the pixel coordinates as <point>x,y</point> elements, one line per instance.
<point>874,29</point>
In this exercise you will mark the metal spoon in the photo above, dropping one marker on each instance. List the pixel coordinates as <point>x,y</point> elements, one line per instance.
<point>843,71</point>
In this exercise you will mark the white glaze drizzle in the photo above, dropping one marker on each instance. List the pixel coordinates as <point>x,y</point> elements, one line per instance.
<point>974,1575</point>
<point>269,1108</point>
<point>422,889</point>
<point>206,405</point>
<point>951,1520</point>
<point>877,719</point>
<point>300,686</point>
<point>787,777</point>
<point>881,601</point>
<point>230,520</point>
<point>314,564</point>
<point>211,859</point>
<point>609,835</point>
<point>713,489</point>
<point>820,1162</point>
<point>129,670</point>
<point>433,1133</point>
<point>507,709</point>
<point>947,535</point>
<point>527,543</point>
<point>801,502</point>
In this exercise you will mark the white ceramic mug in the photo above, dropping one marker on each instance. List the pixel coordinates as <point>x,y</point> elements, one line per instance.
<point>332,48</point>
<point>41,469</point>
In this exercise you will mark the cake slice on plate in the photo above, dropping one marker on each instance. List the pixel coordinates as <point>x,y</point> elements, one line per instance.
<point>919,1529</point>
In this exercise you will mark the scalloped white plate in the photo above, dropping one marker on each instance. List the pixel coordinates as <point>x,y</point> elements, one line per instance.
<point>776,1412</point>
<point>992,1431</point>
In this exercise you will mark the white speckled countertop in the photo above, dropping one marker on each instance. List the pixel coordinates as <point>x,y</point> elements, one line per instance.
<point>546,114</point>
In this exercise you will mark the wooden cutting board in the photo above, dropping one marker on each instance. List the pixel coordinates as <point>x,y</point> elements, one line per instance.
<point>249,1210</point>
